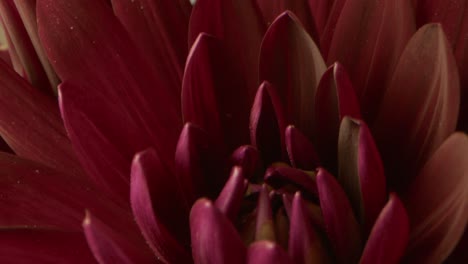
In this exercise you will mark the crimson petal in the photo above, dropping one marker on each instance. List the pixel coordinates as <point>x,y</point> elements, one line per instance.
<point>230,199</point>
<point>214,238</point>
<point>248,158</point>
<point>266,252</point>
<point>264,229</point>
<point>278,176</point>
<point>301,151</point>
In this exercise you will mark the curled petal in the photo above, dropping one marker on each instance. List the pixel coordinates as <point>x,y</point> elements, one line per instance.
<point>248,158</point>
<point>264,229</point>
<point>230,199</point>
<point>300,150</point>
<point>279,176</point>
<point>266,252</point>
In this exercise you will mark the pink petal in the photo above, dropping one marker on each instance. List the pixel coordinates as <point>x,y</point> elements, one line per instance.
<point>341,225</point>
<point>389,237</point>
<point>266,252</point>
<point>43,245</point>
<point>278,176</point>
<point>300,150</point>
<point>163,224</point>
<point>264,229</point>
<point>111,247</point>
<point>230,199</point>
<point>436,202</point>
<point>267,124</point>
<point>368,40</point>
<point>31,125</point>
<point>159,29</point>
<point>425,88</point>
<point>305,245</point>
<point>248,158</point>
<point>335,98</point>
<point>214,238</point>
<point>361,172</point>
<point>291,61</point>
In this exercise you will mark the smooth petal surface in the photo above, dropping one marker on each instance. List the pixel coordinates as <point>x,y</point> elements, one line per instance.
<point>266,252</point>
<point>361,172</point>
<point>291,61</point>
<point>335,98</point>
<point>301,151</point>
<point>110,247</point>
<point>425,88</point>
<point>304,243</point>
<point>437,202</point>
<point>248,158</point>
<point>368,40</point>
<point>264,228</point>
<point>326,36</point>
<point>267,124</point>
<point>230,199</point>
<point>389,237</point>
<point>31,125</point>
<point>158,208</point>
<point>279,176</point>
<point>214,238</point>
<point>340,223</point>
<point>320,10</point>
<point>24,245</point>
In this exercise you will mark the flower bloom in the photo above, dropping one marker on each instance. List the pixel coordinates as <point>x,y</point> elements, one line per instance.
<point>234,131</point>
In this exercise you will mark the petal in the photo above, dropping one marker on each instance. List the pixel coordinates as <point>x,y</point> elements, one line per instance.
<point>163,224</point>
<point>110,247</point>
<point>361,172</point>
<point>425,88</point>
<point>330,26</point>
<point>389,237</point>
<point>291,61</point>
<point>320,10</point>
<point>301,151</point>
<point>230,199</point>
<point>265,252</point>
<point>335,98</point>
<point>214,238</point>
<point>106,61</point>
<point>159,29</point>
<point>341,225</point>
<point>264,229</point>
<point>305,246</point>
<point>267,124</point>
<point>31,125</point>
<point>375,33</point>
<point>248,158</point>
<point>436,202</point>
<point>278,176</point>
<point>228,21</point>
<point>43,245</point>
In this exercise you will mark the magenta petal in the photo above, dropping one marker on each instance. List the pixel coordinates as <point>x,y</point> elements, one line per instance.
<point>267,252</point>
<point>230,199</point>
<point>425,87</point>
<point>361,171</point>
<point>264,229</point>
<point>199,164</point>
<point>301,151</point>
<point>110,247</point>
<point>214,238</point>
<point>335,98</point>
<point>43,245</point>
<point>280,176</point>
<point>248,158</point>
<point>163,224</point>
<point>389,237</point>
<point>304,243</point>
<point>368,40</point>
<point>291,61</point>
<point>267,124</point>
<point>341,225</point>
<point>436,202</point>
<point>31,125</point>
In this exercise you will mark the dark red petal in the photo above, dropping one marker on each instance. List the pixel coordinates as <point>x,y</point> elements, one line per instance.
<point>43,245</point>
<point>230,199</point>
<point>199,164</point>
<point>264,228</point>
<point>301,151</point>
<point>368,40</point>
<point>158,208</point>
<point>110,247</point>
<point>114,72</point>
<point>214,238</point>
<point>31,125</point>
<point>248,158</point>
<point>335,98</point>
<point>320,10</point>
<point>159,29</point>
<point>278,176</point>
<point>305,245</point>
<point>267,252</point>
<point>291,61</point>
<point>361,172</point>
<point>436,202</point>
<point>239,26</point>
<point>330,26</point>
<point>340,223</point>
<point>420,107</point>
<point>267,124</point>
<point>389,237</point>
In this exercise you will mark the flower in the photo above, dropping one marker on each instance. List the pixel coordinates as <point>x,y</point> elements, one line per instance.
<point>224,151</point>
